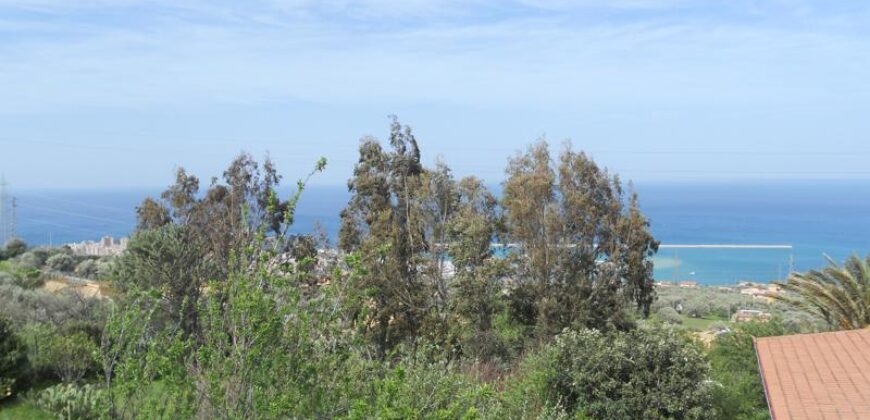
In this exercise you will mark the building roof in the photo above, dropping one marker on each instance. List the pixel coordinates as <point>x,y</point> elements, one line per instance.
<point>816,376</point>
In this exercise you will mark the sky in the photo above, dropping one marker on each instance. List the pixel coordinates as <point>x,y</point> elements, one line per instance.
<point>117,94</point>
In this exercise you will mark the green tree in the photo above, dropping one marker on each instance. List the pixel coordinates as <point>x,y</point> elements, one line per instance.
<point>223,218</point>
<point>168,260</point>
<point>478,278</point>
<point>384,224</point>
<point>585,249</point>
<point>840,295</point>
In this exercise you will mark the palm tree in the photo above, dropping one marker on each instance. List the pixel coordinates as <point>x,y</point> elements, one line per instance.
<point>839,295</point>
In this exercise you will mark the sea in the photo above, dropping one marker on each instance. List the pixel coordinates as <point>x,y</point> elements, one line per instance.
<point>814,219</point>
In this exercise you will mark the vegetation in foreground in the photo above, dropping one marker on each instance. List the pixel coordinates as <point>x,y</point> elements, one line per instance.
<point>219,312</point>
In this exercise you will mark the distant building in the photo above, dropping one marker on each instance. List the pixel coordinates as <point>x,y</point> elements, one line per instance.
<point>758,292</point>
<point>106,247</point>
<point>746,315</point>
<point>688,283</point>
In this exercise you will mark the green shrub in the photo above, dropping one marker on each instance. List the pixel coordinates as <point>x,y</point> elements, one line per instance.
<point>66,355</point>
<point>30,260</point>
<point>529,391</point>
<point>425,390</point>
<point>8,278</point>
<point>13,248</point>
<point>70,401</point>
<point>643,373</point>
<point>13,360</point>
<point>88,269</point>
<point>669,315</point>
<point>61,262</point>
<point>734,366</point>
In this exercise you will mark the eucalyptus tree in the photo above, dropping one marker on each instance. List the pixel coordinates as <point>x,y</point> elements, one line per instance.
<point>479,274</point>
<point>840,295</point>
<point>585,249</point>
<point>384,224</point>
<point>189,236</point>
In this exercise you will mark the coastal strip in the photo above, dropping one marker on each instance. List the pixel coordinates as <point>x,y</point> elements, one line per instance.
<point>726,246</point>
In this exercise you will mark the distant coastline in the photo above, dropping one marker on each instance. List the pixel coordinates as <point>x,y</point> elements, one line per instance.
<point>814,218</point>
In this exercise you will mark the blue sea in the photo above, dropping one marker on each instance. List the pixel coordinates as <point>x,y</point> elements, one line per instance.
<point>815,218</point>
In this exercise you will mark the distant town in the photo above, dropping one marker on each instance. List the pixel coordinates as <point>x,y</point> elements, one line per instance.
<point>107,246</point>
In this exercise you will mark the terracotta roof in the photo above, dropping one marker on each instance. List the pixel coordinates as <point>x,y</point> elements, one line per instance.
<point>816,376</point>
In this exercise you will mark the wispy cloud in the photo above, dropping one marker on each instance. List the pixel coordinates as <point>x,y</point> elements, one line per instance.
<point>159,53</point>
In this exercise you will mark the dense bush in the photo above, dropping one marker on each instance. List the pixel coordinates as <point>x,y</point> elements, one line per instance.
<point>61,262</point>
<point>65,354</point>
<point>30,260</point>
<point>88,269</point>
<point>529,391</point>
<point>12,273</point>
<point>739,393</point>
<point>13,360</point>
<point>23,307</point>
<point>13,248</point>
<point>652,373</point>
<point>669,315</point>
<point>424,390</point>
<point>7,278</point>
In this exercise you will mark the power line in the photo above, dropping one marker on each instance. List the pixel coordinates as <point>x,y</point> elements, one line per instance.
<point>74,214</point>
<point>78,203</point>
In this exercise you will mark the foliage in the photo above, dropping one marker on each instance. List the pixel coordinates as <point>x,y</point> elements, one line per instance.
<point>23,306</point>
<point>169,261</point>
<point>13,360</point>
<point>263,348</point>
<point>586,249</point>
<point>669,315</point>
<point>643,373</point>
<point>529,391</point>
<point>223,219</point>
<point>384,224</point>
<point>13,248</point>
<point>424,390</point>
<point>839,295</point>
<point>67,354</point>
<point>14,275</point>
<point>739,393</point>
<point>476,298</point>
<point>61,262</point>
<point>30,260</point>
<point>88,269</point>
<point>70,401</point>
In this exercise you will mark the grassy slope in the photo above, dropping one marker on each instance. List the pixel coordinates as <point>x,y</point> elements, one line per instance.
<point>21,410</point>
<point>699,324</point>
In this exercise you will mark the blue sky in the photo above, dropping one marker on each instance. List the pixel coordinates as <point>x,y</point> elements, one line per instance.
<point>100,93</point>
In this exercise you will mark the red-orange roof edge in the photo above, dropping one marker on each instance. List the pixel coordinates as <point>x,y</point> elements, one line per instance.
<point>763,380</point>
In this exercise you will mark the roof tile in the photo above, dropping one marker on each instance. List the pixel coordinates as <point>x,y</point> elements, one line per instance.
<point>816,376</point>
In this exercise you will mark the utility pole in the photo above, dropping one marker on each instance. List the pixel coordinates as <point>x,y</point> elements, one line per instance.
<point>12,230</point>
<point>4,234</point>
